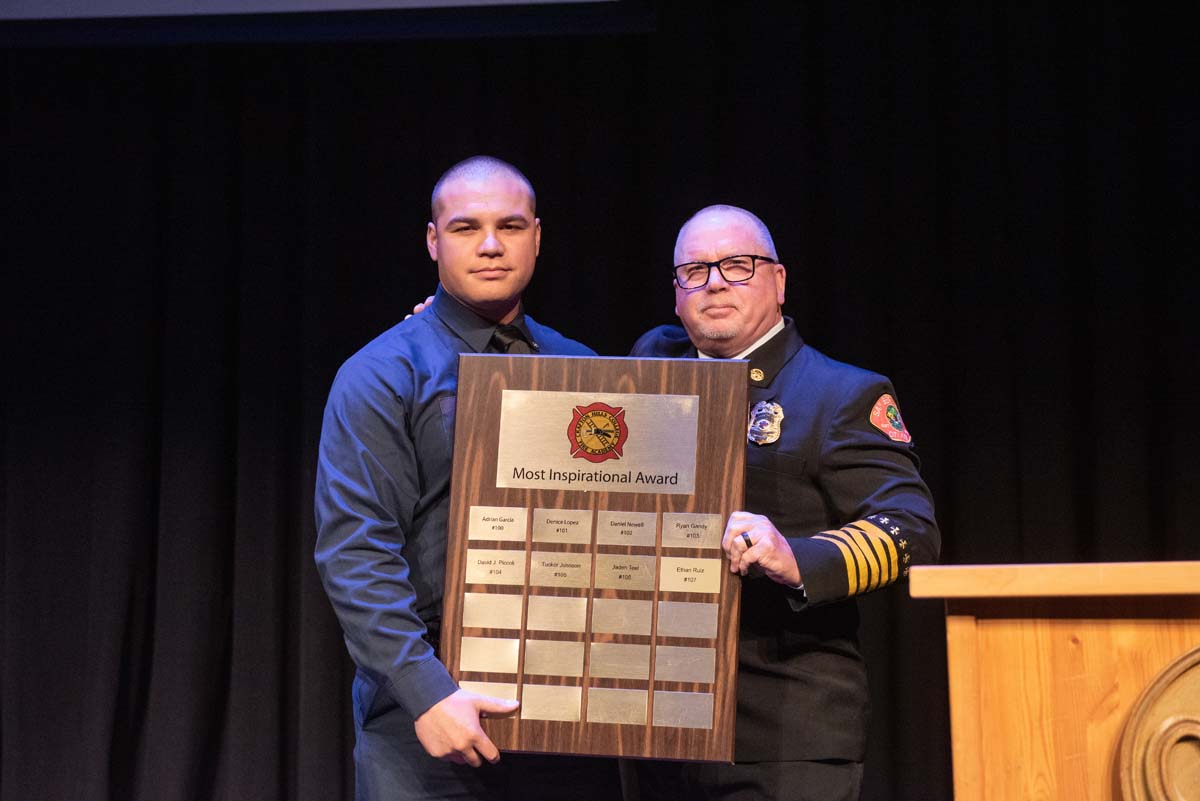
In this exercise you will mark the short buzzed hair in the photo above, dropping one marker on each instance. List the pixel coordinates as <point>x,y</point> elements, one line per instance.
<point>759,226</point>
<point>478,168</point>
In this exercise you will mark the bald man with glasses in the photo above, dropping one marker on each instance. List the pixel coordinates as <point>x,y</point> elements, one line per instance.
<point>835,507</point>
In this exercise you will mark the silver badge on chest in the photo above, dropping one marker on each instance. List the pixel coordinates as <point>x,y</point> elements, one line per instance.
<point>766,421</point>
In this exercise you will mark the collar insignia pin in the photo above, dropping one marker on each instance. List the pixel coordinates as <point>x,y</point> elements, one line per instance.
<point>757,375</point>
<point>766,418</point>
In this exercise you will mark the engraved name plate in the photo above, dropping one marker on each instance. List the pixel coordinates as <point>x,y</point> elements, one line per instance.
<point>555,613</point>
<point>547,702</point>
<point>491,610</point>
<point>489,654</point>
<point>611,660</point>
<point>562,525</point>
<point>620,616</point>
<point>504,523</point>
<point>496,689</point>
<point>560,569</point>
<point>620,572</point>
<point>486,566</point>
<point>680,663</point>
<point>683,710</point>
<point>626,528</point>
<point>608,705</point>
<point>681,619</point>
<point>684,530</point>
<point>553,658</point>
<point>690,575</point>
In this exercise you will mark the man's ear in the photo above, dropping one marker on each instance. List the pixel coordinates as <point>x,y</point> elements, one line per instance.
<point>431,240</point>
<point>537,235</point>
<point>780,282</point>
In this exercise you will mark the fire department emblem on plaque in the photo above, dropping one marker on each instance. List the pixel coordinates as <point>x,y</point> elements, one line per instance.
<point>597,432</point>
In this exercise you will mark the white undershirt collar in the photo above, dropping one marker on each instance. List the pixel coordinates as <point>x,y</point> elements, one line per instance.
<point>775,329</point>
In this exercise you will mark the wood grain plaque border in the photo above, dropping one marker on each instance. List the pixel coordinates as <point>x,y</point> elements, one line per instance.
<point>679,727</point>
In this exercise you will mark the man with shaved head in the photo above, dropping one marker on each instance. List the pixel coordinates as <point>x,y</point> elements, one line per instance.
<point>382,505</point>
<point>835,507</point>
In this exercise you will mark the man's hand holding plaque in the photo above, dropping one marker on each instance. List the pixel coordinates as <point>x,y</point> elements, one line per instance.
<point>753,541</point>
<point>450,728</point>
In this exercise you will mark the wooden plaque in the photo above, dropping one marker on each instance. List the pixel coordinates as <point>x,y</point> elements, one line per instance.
<point>584,573</point>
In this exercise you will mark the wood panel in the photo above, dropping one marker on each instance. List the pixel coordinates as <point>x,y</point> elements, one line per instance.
<point>1040,688</point>
<point>720,446</point>
<point>1094,578</point>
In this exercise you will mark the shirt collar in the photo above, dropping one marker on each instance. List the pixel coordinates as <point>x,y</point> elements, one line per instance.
<point>775,329</point>
<point>469,326</point>
<point>768,357</point>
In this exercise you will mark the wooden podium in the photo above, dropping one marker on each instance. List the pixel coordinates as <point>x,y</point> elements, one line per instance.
<point>1046,663</point>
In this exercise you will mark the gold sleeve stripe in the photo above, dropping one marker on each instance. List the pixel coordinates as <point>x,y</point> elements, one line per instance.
<point>875,567</point>
<point>851,570</point>
<point>865,579</point>
<point>884,543</point>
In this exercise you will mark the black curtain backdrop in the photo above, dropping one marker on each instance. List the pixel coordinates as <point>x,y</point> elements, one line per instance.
<point>996,207</point>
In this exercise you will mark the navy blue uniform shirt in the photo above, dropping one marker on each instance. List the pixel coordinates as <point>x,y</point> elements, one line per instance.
<point>383,493</point>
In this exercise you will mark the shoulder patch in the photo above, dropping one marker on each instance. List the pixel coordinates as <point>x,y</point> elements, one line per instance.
<point>885,415</point>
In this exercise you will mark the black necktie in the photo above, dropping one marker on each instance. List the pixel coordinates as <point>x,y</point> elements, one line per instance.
<point>510,339</point>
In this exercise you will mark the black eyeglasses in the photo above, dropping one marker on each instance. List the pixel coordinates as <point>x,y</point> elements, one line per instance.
<point>734,269</point>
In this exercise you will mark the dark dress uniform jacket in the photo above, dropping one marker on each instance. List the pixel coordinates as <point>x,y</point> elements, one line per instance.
<point>850,501</point>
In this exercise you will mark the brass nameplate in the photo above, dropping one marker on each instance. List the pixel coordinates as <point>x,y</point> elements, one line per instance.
<point>607,705</point>
<point>553,658</point>
<point>562,525</point>
<point>681,663</point>
<point>496,689</point>
<point>685,530</point>
<point>626,528</point>
<point>560,569</point>
<point>489,655</point>
<point>690,575</point>
<point>504,523</point>
<point>556,613</point>
<point>620,616</point>
<point>620,572</point>
<point>486,566</point>
<point>683,710</point>
<point>629,442</point>
<point>681,619</point>
<point>547,702</point>
<point>491,611</point>
<point>611,660</point>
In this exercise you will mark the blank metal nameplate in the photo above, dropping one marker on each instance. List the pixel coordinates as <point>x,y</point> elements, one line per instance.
<point>496,689</point>
<point>621,572</point>
<point>504,523</point>
<point>687,530</point>
<point>626,528</point>
<point>486,566</point>
<point>611,660</point>
<point>489,655</point>
<point>556,613</point>
<point>608,705</point>
<point>690,575</point>
<point>562,525</point>
<point>620,616</point>
<point>682,663</point>
<point>553,658</point>
<point>560,569</point>
<point>682,619</point>
<point>491,610</point>
<point>683,710</point>
<point>546,702</point>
